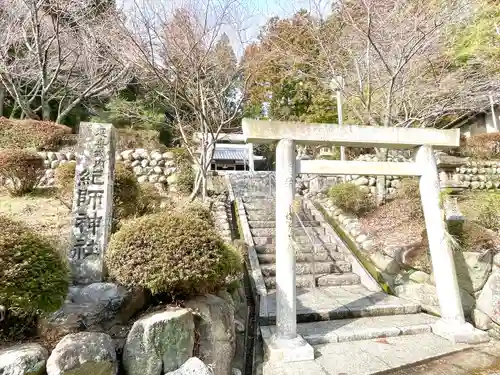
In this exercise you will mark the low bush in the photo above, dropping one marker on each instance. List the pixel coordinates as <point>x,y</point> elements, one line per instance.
<point>21,169</point>
<point>185,172</point>
<point>350,198</point>
<point>174,253</point>
<point>33,276</point>
<point>149,200</point>
<point>31,134</point>
<point>483,146</point>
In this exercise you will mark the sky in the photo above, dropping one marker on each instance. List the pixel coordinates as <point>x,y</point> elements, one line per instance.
<point>250,15</point>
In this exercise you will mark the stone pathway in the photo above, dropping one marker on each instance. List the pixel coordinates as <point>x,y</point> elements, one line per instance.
<point>368,357</point>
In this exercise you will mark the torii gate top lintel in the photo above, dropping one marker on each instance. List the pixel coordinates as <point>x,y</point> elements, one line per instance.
<point>261,131</point>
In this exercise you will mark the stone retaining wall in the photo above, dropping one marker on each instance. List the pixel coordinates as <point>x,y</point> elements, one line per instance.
<point>148,166</point>
<point>454,172</point>
<point>478,273</point>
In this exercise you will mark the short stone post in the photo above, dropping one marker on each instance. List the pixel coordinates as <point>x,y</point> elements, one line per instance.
<point>452,324</point>
<point>286,345</point>
<point>251,166</point>
<point>92,202</point>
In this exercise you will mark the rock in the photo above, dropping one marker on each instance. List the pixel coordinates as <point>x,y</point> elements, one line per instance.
<point>396,184</point>
<point>158,170</point>
<point>420,277</point>
<point>138,170</point>
<point>162,179</point>
<point>473,269</point>
<point>49,173</point>
<point>97,306</point>
<point>361,181</point>
<point>159,342</point>
<point>425,294</point>
<point>54,164</point>
<point>475,185</point>
<point>172,179</point>
<point>153,163</point>
<point>127,155</point>
<point>361,238</point>
<point>156,156</point>
<point>142,179</point>
<point>489,299</point>
<point>51,156</point>
<point>144,163</point>
<point>385,263</point>
<point>193,366</point>
<point>168,155</point>
<point>25,359</point>
<point>236,372</point>
<point>481,320</point>
<point>214,320</point>
<point>367,245</point>
<point>153,178</point>
<point>372,181</point>
<point>83,353</point>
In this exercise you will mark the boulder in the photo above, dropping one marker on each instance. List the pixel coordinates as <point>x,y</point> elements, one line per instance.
<point>385,263</point>
<point>26,359</point>
<point>473,269</point>
<point>481,320</point>
<point>83,353</point>
<point>159,342</point>
<point>193,366</point>
<point>214,320</point>
<point>489,298</point>
<point>98,306</point>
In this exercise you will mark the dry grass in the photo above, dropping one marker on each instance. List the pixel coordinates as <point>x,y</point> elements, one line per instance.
<point>43,212</point>
<point>393,225</point>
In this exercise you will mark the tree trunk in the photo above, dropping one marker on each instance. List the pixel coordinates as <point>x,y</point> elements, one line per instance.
<point>381,180</point>
<point>45,111</point>
<point>2,99</point>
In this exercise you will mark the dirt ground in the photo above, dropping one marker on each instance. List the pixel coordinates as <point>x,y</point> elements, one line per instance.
<point>43,212</point>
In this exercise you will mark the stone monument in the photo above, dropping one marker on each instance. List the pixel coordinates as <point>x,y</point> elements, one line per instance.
<point>92,212</point>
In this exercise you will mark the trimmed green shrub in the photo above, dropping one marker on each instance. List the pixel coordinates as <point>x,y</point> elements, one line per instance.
<point>22,170</point>
<point>149,200</point>
<point>349,198</point>
<point>34,278</point>
<point>173,253</point>
<point>185,172</point>
<point>37,135</point>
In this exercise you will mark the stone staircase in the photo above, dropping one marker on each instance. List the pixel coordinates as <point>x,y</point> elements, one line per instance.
<point>335,302</point>
<point>318,263</point>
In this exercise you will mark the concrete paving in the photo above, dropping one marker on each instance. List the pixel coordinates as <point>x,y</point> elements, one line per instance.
<point>368,357</point>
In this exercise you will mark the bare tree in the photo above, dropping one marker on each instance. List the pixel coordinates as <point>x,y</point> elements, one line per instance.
<point>57,51</point>
<point>185,56</point>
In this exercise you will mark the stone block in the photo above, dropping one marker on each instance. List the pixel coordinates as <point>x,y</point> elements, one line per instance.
<point>24,359</point>
<point>83,353</point>
<point>159,342</point>
<point>193,366</point>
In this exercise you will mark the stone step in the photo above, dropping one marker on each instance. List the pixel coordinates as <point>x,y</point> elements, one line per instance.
<point>306,248</point>
<point>270,215</point>
<point>265,232</point>
<point>373,327</point>
<point>320,256</point>
<point>311,268</point>
<point>361,307</point>
<point>307,281</point>
<point>300,239</point>
<point>272,224</point>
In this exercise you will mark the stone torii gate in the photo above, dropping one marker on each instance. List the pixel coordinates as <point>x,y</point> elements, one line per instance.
<point>452,325</point>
